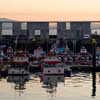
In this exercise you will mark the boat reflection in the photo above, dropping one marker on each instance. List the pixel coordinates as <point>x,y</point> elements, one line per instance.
<point>50,82</point>
<point>19,82</point>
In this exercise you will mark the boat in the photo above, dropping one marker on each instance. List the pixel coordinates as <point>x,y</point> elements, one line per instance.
<point>35,66</point>
<point>50,65</point>
<point>83,57</point>
<point>19,64</point>
<point>16,79</point>
<point>20,57</point>
<point>17,70</point>
<point>66,58</point>
<point>39,53</point>
<point>53,66</point>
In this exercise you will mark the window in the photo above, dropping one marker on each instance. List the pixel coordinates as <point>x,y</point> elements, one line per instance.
<point>53,32</point>
<point>24,26</point>
<point>68,27</point>
<point>37,32</point>
<point>95,27</point>
<point>52,28</point>
<point>7,28</point>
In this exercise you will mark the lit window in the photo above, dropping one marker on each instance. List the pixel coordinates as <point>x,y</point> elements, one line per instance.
<point>24,26</point>
<point>68,27</point>
<point>95,27</point>
<point>7,28</point>
<point>52,28</point>
<point>37,32</point>
<point>53,32</point>
<point>53,25</point>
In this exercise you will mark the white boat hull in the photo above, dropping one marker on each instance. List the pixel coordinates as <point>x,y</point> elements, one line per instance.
<point>16,71</point>
<point>53,70</point>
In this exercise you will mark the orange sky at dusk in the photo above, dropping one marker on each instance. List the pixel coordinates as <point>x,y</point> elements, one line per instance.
<point>50,10</point>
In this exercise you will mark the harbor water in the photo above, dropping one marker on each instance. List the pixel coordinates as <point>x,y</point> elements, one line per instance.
<point>56,87</point>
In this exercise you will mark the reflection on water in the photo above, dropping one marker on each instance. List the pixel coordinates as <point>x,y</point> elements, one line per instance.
<point>77,87</point>
<point>93,83</point>
<point>50,82</point>
<point>19,82</point>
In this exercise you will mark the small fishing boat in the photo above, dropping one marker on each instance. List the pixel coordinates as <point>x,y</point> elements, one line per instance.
<point>17,70</point>
<point>20,57</point>
<point>83,57</point>
<point>35,66</point>
<point>66,58</point>
<point>19,64</point>
<point>39,53</point>
<point>53,66</point>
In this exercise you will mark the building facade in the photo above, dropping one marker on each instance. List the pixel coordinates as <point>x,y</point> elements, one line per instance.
<point>66,30</point>
<point>73,30</point>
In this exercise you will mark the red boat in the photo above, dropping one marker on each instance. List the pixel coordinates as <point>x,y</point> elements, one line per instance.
<point>51,65</point>
<point>20,57</point>
<point>19,64</point>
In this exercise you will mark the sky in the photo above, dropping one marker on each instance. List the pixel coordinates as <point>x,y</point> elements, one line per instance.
<point>50,10</point>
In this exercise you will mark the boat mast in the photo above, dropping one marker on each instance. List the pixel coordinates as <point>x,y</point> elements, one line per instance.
<point>16,41</point>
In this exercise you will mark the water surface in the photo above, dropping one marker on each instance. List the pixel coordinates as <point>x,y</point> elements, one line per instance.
<point>76,87</point>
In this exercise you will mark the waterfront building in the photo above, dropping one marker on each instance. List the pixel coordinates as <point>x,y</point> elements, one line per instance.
<point>64,29</point>
<point>12,30</point>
